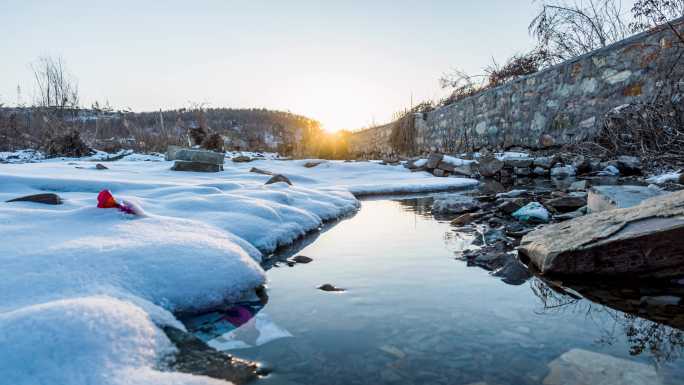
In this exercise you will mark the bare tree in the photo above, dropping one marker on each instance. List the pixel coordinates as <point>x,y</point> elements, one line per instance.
<point>649,13</point>
<point>566,29</point>
<point>56,87</point>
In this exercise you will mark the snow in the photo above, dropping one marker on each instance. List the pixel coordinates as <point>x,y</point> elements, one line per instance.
<point>609,171</point>
<point>85,290</point>
<point>563,171</point>
<point>457,161</point>
<point>533,211</point>
<point>664,178</point>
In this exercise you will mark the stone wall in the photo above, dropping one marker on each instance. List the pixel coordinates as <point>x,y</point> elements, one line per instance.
<point>562,104</point>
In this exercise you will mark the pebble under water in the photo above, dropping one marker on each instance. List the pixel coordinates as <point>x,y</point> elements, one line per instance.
<point>411,313</point>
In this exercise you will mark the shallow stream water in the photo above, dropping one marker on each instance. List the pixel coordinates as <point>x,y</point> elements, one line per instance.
<point>413,314</point>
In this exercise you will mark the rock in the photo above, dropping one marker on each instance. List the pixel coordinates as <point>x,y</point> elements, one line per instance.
<point>518,162</point>
<point>312,164</point>
<point>566,203</point>
<point>489,166</point>
<point>101,166</point>
<point>609,170</point>
<point>433,160</point>
<point>47,199</point>
<point>194,155</point>
<point>629,165</point>
<point>260,171</point>
<point>603,198</point>
<point>302,259</point>
<point>681,178</point>
<point>580,185</point>
<point>572,215</point>
<point>196,357</point>
<point>581,164</point>
<point>329,287</point>
<point>464,169</point>
<point>242,159</point>
<point>509,206</point>
<point>582,367</point>
<point>279,178</point>
<point>181,165</point>
<point>546,141</point>
<point>513,272</point>
<point>462,220</point>
<point>540,171</point>
<point>517,230</point>
<point>439,173</point>
<point>563,171</point>
<point>644,240</point>
<point>533,212</point>
<point>489,257</point>
<point>545,162</point>
<point>454,204</point>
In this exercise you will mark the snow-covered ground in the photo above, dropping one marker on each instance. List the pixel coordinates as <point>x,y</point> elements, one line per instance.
<point>84,290</point>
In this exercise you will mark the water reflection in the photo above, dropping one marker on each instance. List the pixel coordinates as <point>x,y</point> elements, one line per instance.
<point>650,315</point>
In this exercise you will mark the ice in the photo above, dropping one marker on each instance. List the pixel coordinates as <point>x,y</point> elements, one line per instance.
<point>664,178</point>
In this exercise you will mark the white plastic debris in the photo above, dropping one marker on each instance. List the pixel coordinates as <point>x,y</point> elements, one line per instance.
<point>532,212</point>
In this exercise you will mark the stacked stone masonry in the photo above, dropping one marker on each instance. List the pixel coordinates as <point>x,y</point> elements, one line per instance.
<point>563,104</point>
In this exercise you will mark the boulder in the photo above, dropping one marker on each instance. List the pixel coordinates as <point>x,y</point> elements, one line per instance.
<point>533,212</point>
<point>603,198</point>
<point>566,203</point>
<point>454,204</point>
<point>581,164</point>
<point>47,199</point>
<point>509,206</point>
<point>489,166</point>
<point>433,160</point>
<point>181,165</point>
<point>279,178</point>
<point>194,155</point>
<point>644,240</point>
<point>546,141</point>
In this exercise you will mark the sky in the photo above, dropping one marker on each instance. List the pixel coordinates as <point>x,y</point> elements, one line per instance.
<point>348,64</point>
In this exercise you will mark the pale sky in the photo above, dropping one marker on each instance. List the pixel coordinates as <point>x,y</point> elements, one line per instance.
<point>345,63</point>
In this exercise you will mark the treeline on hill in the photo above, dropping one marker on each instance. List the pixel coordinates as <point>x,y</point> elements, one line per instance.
<point>109,130</point>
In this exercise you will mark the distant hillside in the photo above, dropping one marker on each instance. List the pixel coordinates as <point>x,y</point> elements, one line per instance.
<point>254,129</point>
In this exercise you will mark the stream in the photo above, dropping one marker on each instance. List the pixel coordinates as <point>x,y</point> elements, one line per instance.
<point>412,313</point>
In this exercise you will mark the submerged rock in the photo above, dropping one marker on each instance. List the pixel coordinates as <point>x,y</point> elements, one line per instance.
<point>582,367</point>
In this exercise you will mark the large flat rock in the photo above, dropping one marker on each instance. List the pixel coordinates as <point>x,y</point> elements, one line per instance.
<point>603,198</point>
<point>582,367</point>
<point>194,155</point>
<point>645,240</point>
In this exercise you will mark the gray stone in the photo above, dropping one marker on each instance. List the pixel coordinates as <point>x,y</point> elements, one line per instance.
<point>329,287</point>
<point>101,166</point>
<point>194,155</point>
<point>489,166</point>
<point>566,203</point>
<point>603,198</point>
<point>312,164</point>
<point>644,240</point>
<point>580,185</point>
<point>582,367</point>
<point>46,199</point>
<point>454,204</point>
<point>518,162</point>
<point>433,160</point>
<point>279,178</point>
<point>509,206</point>
<point>545,161</point>
<point>181,165</point>
<point>439,172</point>
<point>302,259</point>
<point>563,171</point>
<point>581,164</point>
